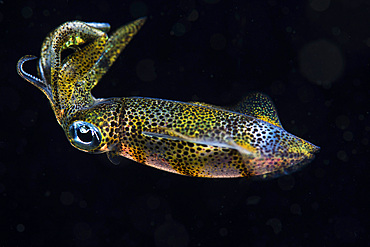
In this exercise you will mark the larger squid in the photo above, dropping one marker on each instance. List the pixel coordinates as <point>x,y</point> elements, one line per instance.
<point>188,138</point>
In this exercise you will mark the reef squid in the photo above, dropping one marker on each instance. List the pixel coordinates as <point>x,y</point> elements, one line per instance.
<point>188,138</point>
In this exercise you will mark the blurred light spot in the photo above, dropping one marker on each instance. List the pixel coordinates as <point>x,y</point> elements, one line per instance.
<point>348,136</point>
<point>46,12</point>
<point>218,41</point>
<point>82,204</point>
<point>27,12</point>
<point>285,10</point>
<point>349,231</point>
<point>2,167</point>
<point>277,88</point>
<point>253,200</point>
<point>223,232</point>
<point>82,231</point>
<point>288,29</point>
<point>275,223</point>
<point>272,2</point>
<point>335,31</point>
<point>20,228</point>
<point>315,206</point>
<point>342,122</point>
<point>319,173</point>
<point>321,62</point>
<point>368,42</point>
<point>178,29</point>
<point>211,1</point>
<point>47,193</point>
<point>320,5</point>
<point>66,198</point>
<point>145,70</point>
<point>193,16</point>
<point>295,209</point>
<point>22,143</point>
<point>286,182</point>
<point>365,141</point>
<point>171,234</point>
<point>153,202</point>
<point>2,188</point>
<point>342,155</point>
<point>138,9</point>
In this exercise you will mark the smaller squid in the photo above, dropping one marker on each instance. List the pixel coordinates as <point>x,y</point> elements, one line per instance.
<point>188,138</point>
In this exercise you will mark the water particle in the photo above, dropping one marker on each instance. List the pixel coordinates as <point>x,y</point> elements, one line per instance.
<point>82,204</point>
<point>335,31</point>
<point>66,198</point>
<point>276,225</point>
<point>2,188</point>
<point>27,12</point>
<point>82,231</point>
<point>223,232</point>
<point>20,228</point>
<point>46,12</point>
<point>295,209</point>
<point>285,10</point>
<point>193,16</point>
<point>315,206</point>
<point>319,5</point>
<point>368,42</point>
<point>211,1</point>
<point>253,200</point>
<point>178,29</point>
<point>342,155</point>
<point>218,41</point>
<point>365,141</point>
<point>348,136</point>
<point>319,173</point>
<point>342,122</point>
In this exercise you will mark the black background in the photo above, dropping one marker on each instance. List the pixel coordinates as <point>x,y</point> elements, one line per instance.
<point>312,58</point>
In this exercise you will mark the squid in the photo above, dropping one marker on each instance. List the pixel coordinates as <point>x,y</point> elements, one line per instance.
<point>188,138</point>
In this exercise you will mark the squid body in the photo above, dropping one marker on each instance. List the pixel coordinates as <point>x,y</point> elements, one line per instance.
<point>188,138</point>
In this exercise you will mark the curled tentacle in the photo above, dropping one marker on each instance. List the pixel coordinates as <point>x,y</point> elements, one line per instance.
<point>37,82</point>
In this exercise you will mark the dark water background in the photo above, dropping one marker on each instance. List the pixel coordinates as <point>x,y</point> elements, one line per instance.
<point>311,57</point>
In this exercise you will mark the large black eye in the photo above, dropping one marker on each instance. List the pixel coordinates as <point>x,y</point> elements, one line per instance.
<point>84,135</point>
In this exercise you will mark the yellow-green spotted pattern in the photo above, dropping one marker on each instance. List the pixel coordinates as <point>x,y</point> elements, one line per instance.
<point>193,139</point>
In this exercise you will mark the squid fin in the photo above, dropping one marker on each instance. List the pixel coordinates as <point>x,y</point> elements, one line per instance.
<point>260,106</point>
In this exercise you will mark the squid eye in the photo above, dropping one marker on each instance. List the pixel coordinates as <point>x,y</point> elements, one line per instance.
<point>84,135</point>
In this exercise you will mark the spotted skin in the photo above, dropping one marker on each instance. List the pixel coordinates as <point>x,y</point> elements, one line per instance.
<point>193,139</point>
